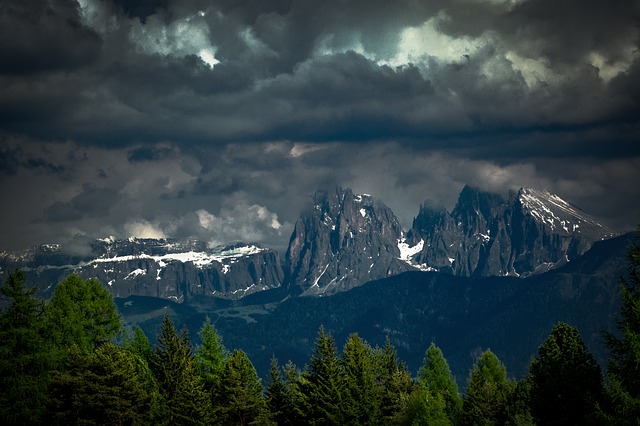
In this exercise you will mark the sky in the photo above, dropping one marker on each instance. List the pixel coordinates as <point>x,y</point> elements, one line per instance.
<point>217,120</point>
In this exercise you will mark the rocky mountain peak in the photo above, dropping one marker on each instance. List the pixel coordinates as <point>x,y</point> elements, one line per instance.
<point>485,235</point>
<point>346,239</point>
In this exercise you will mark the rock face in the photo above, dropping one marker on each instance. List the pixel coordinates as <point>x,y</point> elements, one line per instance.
<point>341,242</point>
<point>156,267</point>
<point>531,232</point>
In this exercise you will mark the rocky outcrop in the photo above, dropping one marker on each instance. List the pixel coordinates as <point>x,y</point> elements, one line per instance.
<point>342,241</point>
<point>486,235</point>
<point>156,267</point>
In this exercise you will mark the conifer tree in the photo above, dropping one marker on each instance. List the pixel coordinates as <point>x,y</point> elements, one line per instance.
<point>242,391</point>
<point>102,387</point>
<point>623,372</point>
<point>139,344</point>
<point>397,385</point>
<point>25,359</point>
<point>211,357</point>
<point>294,381</point>
<point>277,396</point>
<point>566,382</point>
<point>322,384</point>
<point>435,375</point>
<point>82,312</point>
<point>362,391</point>
<point>425,408</point>
<point>183,392</point>
<point>488,392</point>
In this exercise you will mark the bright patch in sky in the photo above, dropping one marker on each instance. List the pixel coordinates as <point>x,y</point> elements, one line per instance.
<point>418,43</point>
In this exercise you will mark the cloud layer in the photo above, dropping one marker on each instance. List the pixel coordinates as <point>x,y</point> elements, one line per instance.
<point>217,121</point>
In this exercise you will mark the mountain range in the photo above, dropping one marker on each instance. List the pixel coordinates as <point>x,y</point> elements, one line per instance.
<point>493,273</point>
<point>340,241</point>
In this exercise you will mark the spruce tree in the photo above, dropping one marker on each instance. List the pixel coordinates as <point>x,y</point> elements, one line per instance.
<point>488,392</point>
<point>323,385</point>
<point>210,358</point>
<point>566,382</point>
<point>25,358</point>
<point>102,387</point>
<point>82,312</point>
<point>139,344</point>
<point>182,389</point>
<point>242,400</point>
<point>623,372</point>
<point>425,408</point>
<point>362,389</point>
<point>277,396</point>
<point>436,376</point>
<point>397,385</point>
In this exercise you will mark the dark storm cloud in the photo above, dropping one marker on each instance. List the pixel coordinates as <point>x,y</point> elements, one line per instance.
<point>323,71</point>
<point>37,36</point>
<point>90,202</point>
<point>219,119</point>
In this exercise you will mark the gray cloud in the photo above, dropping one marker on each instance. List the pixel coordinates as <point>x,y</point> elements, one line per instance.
<point>149,118</point>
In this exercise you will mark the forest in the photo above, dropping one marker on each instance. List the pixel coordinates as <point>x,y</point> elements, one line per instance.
<point>71,361</point>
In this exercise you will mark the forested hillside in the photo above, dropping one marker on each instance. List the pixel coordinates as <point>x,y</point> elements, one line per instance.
<point>69,360</point>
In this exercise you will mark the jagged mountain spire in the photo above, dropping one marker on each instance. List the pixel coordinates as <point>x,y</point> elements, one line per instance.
<point>531,232</point>
<point>342,241</point>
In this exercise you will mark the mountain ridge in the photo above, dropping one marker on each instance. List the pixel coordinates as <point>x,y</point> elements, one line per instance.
<point>340,241</point>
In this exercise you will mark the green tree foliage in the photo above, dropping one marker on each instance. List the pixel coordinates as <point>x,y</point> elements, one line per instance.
<point>323,384</point>
<point>488,392</point>
<point>294,380</point>
<point>436,376</point>
<point>278,400</point>
<point>566,382</point>
<point>82,313</point>
<point>102,387</point>
<point>425,408</point>
<point>173,364</point>
<point>24,356</point>
<point>623,371</point>
<point>362,388</point>
<point>242,391</point>
<point>211,357</point>
<point>396,382</point>
<point>139,344</point>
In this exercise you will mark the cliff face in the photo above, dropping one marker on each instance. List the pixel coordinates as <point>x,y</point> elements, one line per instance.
<point>157,268</point>
<point>486,235</point>
<point>342,241</point>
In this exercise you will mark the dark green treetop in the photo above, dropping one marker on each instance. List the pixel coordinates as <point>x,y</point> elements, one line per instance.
<point>566,382</point>
<point>82,312</point>
<point>25,359</point>
<point>488,392</point>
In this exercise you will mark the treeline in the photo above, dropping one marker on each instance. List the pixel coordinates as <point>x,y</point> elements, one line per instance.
<point>68,361</point>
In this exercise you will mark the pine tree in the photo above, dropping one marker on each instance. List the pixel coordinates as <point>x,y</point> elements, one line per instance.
<point>488,392</point>
<point>322,384</point>
<point>294,382</point>
<point>425,408</point>
<point>241,391</point>
<point>211,357</point>
<point>102,387</point>
<point>173,363</point>
<point>25,358</point>
<point>623,372</point>
<point>362,391</point>
<point>566,382</point>
<point>435,375</point>
<point>139,344</point>
<point>82,313</point>
<point>277,396</point>
<point>396,382</point>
